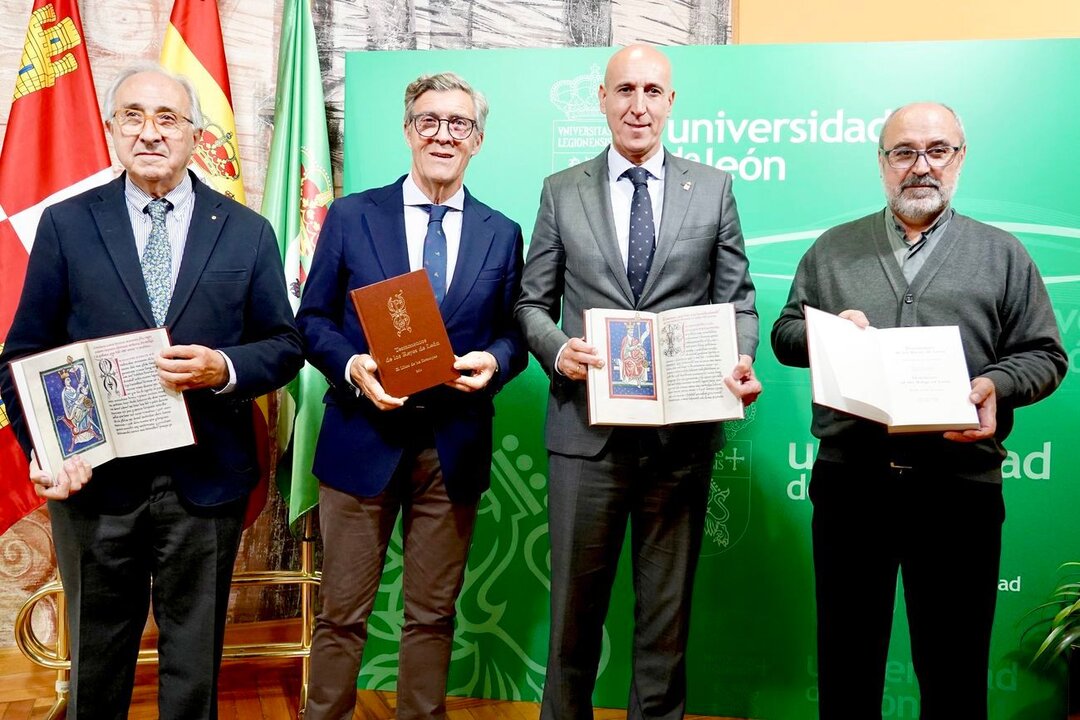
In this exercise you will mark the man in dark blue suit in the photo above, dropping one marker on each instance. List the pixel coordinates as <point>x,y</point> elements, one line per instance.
<point>156,247</point>
<point>428,456</point>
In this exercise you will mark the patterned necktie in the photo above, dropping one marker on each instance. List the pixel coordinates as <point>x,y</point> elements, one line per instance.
<point>642,231</point>
<point>435,250</point>
<point>157,260</point>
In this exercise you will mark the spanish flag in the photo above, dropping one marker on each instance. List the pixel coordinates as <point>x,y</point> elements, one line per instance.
<point>193,47</point>
<point>54,148</point>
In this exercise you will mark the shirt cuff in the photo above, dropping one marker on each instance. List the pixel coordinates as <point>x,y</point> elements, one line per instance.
<point>559,355</point>
<point>231,385</point>
<point>348,374</point>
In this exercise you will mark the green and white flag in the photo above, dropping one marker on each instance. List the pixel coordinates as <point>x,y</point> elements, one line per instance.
<point>299,190</point>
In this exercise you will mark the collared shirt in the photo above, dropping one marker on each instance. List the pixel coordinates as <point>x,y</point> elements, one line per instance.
<point>177,224</point>
<point>622,193</point>
<point>416,223</point>
<point>911,256</point>
<point>177,220</point>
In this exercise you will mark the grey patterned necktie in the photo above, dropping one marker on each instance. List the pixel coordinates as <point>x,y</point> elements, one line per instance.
<point>157,260</point>
<point>642,231</point>
<point>435,250</point>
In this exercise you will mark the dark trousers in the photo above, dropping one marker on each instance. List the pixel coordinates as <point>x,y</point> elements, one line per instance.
<point>943,534</point>
<point>663,494</point>
<point>436,534</point>
<point>112,566</point>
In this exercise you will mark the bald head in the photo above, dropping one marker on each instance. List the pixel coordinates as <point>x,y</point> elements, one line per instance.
<point>922,112</point>
<point>638,55</point>
<point>637,97</point>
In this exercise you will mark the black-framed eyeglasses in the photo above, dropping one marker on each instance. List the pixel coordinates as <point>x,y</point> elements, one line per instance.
<point>132,120</point>
<point>939,156</point>
<point>427,125</point>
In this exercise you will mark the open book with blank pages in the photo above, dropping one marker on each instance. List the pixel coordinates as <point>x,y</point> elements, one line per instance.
<point>662,368</point>
<point>911,379</point>
<point>100,399</point>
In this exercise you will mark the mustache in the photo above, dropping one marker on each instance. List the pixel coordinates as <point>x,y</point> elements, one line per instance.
<point>920,181</point>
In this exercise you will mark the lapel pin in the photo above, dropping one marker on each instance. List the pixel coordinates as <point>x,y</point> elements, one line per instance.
<point>686,185</point>
<point>213,217</point>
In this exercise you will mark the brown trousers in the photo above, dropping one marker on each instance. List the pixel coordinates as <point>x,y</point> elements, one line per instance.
<point>436,534</point>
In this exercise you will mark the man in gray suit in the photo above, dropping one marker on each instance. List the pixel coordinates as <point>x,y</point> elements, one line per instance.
<point>633,228</point>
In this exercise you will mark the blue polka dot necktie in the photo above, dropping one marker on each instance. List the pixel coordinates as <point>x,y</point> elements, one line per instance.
<point>642,231</point>
<point>157,260</point>
<point>435,250</point>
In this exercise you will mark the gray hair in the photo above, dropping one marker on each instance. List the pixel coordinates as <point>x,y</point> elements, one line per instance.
<point>888,119</point>
<point>108,107</point>
<point>440,83</point>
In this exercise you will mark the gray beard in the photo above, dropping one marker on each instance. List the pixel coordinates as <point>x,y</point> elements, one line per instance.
<point>928,204</point>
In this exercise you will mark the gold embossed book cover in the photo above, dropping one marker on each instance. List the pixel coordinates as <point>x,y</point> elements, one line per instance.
<point>405,333</point>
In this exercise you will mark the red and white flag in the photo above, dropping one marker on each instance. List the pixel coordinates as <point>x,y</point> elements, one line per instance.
<point>54,147</point>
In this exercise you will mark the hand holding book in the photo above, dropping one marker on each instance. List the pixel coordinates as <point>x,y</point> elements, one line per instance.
<point>73,475</point>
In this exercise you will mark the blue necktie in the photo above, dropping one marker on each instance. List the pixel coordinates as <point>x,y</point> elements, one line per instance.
<point>157,260</point>
<point>435,250</point>
<point>642,231</point>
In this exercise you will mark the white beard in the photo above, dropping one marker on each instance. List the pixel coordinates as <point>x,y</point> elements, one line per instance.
<point>921,203</point>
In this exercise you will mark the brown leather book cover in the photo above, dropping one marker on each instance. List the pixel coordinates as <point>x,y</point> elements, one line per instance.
<point>405,333</point>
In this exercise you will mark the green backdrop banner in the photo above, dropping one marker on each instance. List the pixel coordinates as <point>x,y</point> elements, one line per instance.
<point>797,127</point>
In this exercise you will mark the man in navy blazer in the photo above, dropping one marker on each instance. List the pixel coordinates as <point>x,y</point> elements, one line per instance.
<point>428,456</point>
<point>164,525</point>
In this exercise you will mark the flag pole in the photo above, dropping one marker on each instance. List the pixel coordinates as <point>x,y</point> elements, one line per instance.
<point>307,605</point>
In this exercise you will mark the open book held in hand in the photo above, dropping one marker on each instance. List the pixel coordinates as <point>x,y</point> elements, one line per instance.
<point>662,368</point>
<point>405,333</point>
<point>911,379</point>
<point>100,399</point>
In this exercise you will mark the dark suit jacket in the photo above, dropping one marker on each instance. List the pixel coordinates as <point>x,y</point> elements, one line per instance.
<point>84,281</point>
<point>575,264</point>
<point>362,242</point>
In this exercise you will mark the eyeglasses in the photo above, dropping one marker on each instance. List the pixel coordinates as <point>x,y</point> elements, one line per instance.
<point>131,121</point>
<point>428,125</point>
<point>939,156</point>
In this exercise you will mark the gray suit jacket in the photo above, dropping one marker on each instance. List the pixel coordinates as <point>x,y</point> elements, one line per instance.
<point>574,264</point>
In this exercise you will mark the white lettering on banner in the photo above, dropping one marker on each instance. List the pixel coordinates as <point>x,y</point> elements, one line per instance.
<point>1033,466</point>
<point>1068,322</point>
<point>696,139</point>
<point>1074,359</point>
<point>751,167</point>
<point>901,696</point>
<point>836,128</point>
<point>900,706</point>
<point>796,489</point>
<point>1006,585</point>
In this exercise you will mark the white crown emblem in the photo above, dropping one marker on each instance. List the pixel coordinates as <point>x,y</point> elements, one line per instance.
<point>576,97</point>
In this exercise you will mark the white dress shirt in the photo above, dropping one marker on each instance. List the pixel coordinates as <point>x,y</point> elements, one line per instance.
<point>177,224</point>
<point>622,193</point>
<point>416,224</point>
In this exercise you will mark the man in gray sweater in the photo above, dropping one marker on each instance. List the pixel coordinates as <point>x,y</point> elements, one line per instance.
<point>929,505</point>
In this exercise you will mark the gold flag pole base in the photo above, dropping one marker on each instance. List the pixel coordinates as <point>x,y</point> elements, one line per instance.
<point>58,657</point>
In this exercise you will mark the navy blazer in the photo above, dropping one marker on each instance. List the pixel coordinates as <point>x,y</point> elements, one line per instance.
<point>362,242</point>
<point>84,281</point>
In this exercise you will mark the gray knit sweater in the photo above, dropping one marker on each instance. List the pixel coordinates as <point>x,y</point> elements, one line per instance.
<point>978,277</point>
